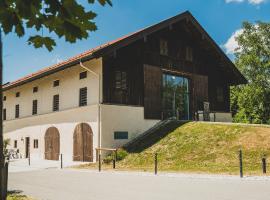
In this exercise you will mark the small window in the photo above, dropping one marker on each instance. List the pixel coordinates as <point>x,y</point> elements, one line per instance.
<point>15,144</point>
<point>35,89</point>
<point>120,80</point>
<point>4,98</point>
<point>120,135</point>
<point>17,111</point>
<point>220,95</point>
<point>164,47</point>
<point>4,114</point>
<point>189,54</point>
<point>56,102</point>
<point>36,144</point>
<point>83,75</point>
<point>83,97</point>
<point>56,83</point>
<point>18,94</point>
<point>34,107</point>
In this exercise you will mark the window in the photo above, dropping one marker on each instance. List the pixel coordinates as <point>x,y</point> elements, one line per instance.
<point>36,144</point>
<point>83,97</point>
<point>4,114</point>
<point>35,89</point>
<point>34,107</point>
<point>120,80</point>
<point>83,75</point>
<point>4,98</point>
<point>56,83</point>
<point>18,94</point>
<point>189,54</point>
<point>56,102</point>
<point>17,111</point>
<point>220,95</point>
<point>164,47</point>
<point>121,135</point>
<point>15,144</point>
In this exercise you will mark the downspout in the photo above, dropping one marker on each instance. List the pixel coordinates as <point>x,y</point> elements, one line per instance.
<point>99,102</point>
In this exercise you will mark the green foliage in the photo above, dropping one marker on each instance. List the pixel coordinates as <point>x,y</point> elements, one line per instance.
<point>121,154</point>
<point>251,103</point>
<point>67,19</point>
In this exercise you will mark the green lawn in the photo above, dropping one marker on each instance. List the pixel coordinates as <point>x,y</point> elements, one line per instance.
<point>16,195</point>
<point>204,148</point>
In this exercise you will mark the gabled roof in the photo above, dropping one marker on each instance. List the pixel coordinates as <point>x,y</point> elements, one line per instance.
<point>121,42</point>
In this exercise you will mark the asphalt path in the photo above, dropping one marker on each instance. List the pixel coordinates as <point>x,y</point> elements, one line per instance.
<point>68,184</point>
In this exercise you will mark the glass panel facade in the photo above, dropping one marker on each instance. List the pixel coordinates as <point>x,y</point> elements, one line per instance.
<point>175,97</point>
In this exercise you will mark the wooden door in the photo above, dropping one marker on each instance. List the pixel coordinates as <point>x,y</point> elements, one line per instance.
<point>152,92</point>
<point>83,143</point>
<point>52,144</point>
<point>27,147</point>
<point>200,84</point>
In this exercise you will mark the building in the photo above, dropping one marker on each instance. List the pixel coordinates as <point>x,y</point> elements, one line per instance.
<point>110,94</point>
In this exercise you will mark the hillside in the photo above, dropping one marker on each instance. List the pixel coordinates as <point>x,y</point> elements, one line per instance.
<point>205,147</point>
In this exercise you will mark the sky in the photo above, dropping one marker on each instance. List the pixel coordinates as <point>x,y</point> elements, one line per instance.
<point>222,19</point>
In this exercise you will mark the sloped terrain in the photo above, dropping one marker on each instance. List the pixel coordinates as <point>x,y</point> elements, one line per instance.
<point>204,147</point>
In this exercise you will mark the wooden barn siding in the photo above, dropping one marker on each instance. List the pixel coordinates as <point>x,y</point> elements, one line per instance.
<point>146,51</point>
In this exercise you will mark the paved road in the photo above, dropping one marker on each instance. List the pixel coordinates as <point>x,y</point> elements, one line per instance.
<point>55,184</point>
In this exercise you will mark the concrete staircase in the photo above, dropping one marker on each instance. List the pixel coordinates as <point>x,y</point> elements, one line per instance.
<point>152,135</point>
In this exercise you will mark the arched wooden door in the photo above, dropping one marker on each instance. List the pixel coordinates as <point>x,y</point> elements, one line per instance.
<point>83,143</point>
<point>52,144</point>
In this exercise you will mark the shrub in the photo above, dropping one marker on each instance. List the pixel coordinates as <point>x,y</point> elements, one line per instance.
<point>121,154</point>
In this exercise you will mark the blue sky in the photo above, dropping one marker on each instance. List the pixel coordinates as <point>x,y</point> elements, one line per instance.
<point>220,18</point>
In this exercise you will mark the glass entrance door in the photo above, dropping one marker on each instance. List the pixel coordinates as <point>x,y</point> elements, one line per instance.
<point>175,97</point>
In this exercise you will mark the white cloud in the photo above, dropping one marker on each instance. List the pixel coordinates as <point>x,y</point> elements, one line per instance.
<point>255,2</point>
<point>231,44</point>
<point>57,59</point>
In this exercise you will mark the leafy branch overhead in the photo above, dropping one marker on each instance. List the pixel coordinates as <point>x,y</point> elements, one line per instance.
<point>65,18</point>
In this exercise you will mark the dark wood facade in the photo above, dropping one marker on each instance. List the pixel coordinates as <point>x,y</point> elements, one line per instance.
<point>132,74</point>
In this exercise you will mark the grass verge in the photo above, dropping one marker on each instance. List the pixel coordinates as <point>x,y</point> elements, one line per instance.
<point>203,148</point>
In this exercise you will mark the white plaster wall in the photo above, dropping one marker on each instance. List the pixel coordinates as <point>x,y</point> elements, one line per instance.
<point>68,91</point>
<point>122,118</point>
<point>65,121</point>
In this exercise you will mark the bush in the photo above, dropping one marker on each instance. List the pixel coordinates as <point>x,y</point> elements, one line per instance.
<point>121,154</point>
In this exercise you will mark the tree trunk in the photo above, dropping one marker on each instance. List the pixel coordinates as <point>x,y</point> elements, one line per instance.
<point>2,159</point>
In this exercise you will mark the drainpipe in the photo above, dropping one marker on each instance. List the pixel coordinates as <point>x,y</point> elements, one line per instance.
<point>99,101</point>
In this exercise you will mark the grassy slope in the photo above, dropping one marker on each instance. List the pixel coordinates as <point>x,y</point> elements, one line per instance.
<point>204,147</point>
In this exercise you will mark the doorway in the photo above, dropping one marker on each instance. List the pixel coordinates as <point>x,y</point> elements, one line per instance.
<point>27,147</point>
<point>52,144</point>
<point>83,143</point>
<point>175,97</point>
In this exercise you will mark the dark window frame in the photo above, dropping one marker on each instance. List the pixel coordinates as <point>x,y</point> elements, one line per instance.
<point>189,53</point>
<point>83,75</point>
<point>56,102</point>
<point>4,98</point>
<point>35,107</point>
<point>15,145</point>
<point>83,96</point>
<point>121,135</point>
<point>18,94</point>
<point>220,94</point>
<point>4,114</point>
<point>17,111</point>
<point>56,83</point>
<point>35,144</point>
<point>120,80</point>
<point>164,47</point>
<point>35,89</point>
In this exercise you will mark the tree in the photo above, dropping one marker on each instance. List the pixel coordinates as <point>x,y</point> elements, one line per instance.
<point>251,102</point>
<point>60,18</point>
